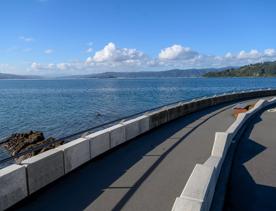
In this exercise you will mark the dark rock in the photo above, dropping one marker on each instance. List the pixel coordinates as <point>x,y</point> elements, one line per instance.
<point>34,141</point>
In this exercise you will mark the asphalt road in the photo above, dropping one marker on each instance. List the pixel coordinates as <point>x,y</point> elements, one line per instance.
<point>252,184</point>
<point>147,173</point>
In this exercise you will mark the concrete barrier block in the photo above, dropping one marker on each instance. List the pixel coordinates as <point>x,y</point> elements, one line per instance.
<point>75,153</point>
<point>192,106</point>
<point>13,185</point>
<point>216,100</point>
<point>144,124</point>
<point>198,184</point>
<point>158,118</point>
<point>272,100</point>
<point>183,204</point>
<point>221,144</point>
<point>200,104</point>
<point>174,112</point>
<point>261,102</point>
<point>132,128</point>
<point>234,128</point>
<point>258,106</point>
<point>117,135</point>
<point>224,99</point>
<point>235,96</point>
<point>216,162</point>
<point>206,102</point>
<point>213,101</point>
<point>229,97</point>
<point>43,169</point>
<point>185,109</point>
<point>99,142</point>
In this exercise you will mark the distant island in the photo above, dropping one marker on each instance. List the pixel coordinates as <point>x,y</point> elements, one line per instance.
<point>266,69</point>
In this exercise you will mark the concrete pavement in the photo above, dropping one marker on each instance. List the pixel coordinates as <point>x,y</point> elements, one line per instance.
<point>144,174</point>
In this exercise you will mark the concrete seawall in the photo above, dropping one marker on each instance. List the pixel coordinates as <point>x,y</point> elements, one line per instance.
<point>38,171</point>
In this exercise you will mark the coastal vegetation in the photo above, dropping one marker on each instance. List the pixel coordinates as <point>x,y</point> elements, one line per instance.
<point>265,69</point>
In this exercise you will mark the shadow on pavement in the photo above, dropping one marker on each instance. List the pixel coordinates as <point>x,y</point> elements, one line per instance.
<point>81,187</point>
<point>243,193</point>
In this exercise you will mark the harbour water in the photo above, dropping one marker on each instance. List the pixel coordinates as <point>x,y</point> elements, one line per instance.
<point>62,107</point>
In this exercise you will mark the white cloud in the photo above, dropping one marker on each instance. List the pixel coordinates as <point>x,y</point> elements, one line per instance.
<point>89,50</point>
<point>228,55</point>
<point>63,66</point>
<point>48,51</point>
<point>26,39</point>
<point>116,56</point>
<point>270,52</point>
<point>177,52</point>
<point>35,66</point>
<point>253,54</point>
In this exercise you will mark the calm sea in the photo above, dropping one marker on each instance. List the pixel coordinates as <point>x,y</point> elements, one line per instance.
<point>62,107</point>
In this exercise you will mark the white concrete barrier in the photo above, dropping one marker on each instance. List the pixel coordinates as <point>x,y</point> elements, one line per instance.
<point>43,169</point>
<point>99,142</point>
<point>144,123</point>
<point>158,117</point>
<point>258,106</point>
<point>183,204</point>
<point>132,128</point>
<point>75,153</point>
<point>271,101</point>
<point>136,127</point>
<point>221,144</point>
<point>117,135</point>
<point>174,112</point>
<point>198,185</point>
<point>234,128</point>
<point>13,185</point>
<point>214,162</point>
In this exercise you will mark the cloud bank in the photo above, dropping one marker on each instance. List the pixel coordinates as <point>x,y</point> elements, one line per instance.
<point>26,39</point>
<point>114,58</point>
<point>48,51</point>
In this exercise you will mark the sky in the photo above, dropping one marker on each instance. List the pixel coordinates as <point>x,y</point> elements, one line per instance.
<point>64,37</point>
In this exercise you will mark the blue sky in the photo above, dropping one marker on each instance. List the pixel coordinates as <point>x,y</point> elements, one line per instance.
<point>87,36</point>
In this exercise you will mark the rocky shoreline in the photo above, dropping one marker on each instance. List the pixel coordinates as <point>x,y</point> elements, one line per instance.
<point>20,142</point>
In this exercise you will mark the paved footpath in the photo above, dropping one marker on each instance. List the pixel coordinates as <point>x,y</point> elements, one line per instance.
<point>252,184</point>
<point>147,173</point>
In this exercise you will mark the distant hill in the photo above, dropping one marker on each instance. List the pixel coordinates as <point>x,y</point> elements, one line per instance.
<point>149,74</point>
<point>141,74</point>
<point>12,76</point>
<point>266,69</point>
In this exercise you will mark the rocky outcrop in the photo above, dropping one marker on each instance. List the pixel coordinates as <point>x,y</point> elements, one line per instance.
<point>34,140</point>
